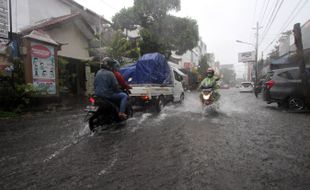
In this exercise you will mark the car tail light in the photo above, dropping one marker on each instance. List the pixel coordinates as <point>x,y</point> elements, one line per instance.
<point>92,100</point>
<point>270,84</point>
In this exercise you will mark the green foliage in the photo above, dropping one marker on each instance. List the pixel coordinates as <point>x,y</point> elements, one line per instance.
<point>126,18</point>
<point>203,65</point>
<point>15,98</point>
<point>63,73</point>
<point>14,94</point>
<point>154,10</point>
<point>121,47</point>
<point>160,32</point>
<point>5,114</point>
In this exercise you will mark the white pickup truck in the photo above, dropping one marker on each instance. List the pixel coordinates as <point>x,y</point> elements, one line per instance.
<point>156,95</point>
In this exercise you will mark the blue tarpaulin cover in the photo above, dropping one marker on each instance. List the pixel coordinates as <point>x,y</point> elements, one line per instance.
<point>151,68</point>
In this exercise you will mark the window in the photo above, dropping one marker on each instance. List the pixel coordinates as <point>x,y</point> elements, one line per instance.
<point>294,74</point>
<point>285,75</point>
<point>177,76</point>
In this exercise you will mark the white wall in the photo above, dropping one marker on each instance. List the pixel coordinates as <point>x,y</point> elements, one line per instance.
<point>284,45</point>
<point>28,12</point>
<point>76,44</point>
<point>191,56</point>
<point>43,9</point>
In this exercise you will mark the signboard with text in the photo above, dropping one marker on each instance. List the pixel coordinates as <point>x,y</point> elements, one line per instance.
<point>246,57</point>
<point>43,68</point>
<point>4,28</point>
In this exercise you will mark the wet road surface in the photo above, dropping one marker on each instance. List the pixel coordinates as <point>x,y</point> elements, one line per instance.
<point>246,145</point>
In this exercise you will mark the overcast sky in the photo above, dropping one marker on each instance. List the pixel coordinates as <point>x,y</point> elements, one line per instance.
<point>222,22</point>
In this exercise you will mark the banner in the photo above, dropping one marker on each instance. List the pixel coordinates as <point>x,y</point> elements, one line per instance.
<point>43,68</point>
<point>246,57</point>
<point>4,28</point>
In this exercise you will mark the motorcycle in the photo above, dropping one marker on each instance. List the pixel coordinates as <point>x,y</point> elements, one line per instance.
<point>103,112</point>
<point>207,96</point>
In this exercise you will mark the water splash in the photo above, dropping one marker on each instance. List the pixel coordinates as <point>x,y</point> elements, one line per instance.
<point>111,163</point>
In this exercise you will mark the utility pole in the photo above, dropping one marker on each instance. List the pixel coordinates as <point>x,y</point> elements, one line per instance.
<point>256,59</point>
<point>11,27</point>
<point>256,54</point>
<point>301,61</point>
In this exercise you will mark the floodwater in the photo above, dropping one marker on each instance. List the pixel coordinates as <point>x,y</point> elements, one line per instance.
<point>246,145</point>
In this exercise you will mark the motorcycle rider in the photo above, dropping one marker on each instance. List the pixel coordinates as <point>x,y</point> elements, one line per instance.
<point>106,86</point>
<point>121,81</point>
<point>211,81</point>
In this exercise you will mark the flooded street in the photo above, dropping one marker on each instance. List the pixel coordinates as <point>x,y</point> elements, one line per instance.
<point>247,144</point>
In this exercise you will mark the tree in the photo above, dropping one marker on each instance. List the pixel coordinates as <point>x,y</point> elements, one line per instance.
<point>203,65</point>
<point>121,47</point>
<point>160,31</point>
<point>126,18</point>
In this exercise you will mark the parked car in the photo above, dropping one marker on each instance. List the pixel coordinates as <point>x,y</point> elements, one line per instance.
<point>246,87</point>
<point>283,86</point>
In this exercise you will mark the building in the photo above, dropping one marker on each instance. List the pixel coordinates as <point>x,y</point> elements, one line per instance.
<point>31,12</point>
<point>287,50</point>
<point>190,59</point>
<point>69,24</point>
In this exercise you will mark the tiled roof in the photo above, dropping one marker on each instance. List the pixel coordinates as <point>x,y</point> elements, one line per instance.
<point>51,22</point>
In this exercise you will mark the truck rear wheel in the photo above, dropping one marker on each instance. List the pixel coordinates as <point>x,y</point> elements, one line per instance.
<point>182,98</point>
<point>160,103</point>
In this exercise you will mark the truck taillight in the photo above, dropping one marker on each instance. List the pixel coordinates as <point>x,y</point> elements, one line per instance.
<point>145,98</point>
<point>92,100</point>
<point>270,84</point>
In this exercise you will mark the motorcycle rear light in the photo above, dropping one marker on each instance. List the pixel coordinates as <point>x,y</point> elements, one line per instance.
<point>270,84</point>
<point>92,100</point>
<point>145,98</point>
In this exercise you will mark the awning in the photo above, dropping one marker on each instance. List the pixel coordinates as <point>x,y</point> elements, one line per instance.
<point>282,60</point>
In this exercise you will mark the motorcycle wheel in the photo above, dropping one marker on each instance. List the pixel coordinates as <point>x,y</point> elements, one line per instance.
<point>93,123</point>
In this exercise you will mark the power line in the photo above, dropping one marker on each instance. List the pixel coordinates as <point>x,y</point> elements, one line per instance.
<point>109,5</point>
<point>270,12</point>
<point>255,5</point>
<point>272,20</point>
<point>289,20</point>
<point>262,9</point>
<point>262,19</point>
<point>271,17</point>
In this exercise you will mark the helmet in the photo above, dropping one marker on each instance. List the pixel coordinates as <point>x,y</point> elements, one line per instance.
<point>107,63</point>
<point>210,71</point>
<point>116,65</point>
